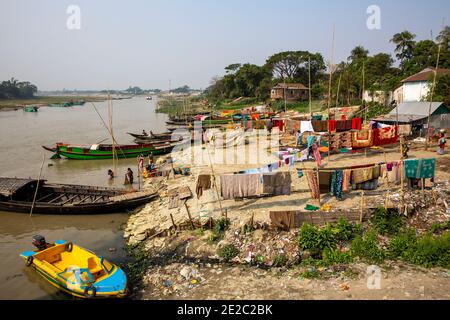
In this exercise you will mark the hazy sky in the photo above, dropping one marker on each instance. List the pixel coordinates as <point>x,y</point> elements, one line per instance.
<point>146,43</point>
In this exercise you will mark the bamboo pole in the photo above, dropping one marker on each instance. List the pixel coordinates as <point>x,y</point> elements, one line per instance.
<point>309,85</point>
<point>318,182</point>
<point>337,94</point>
<point>433,86</point>
<point>329,91</point>
<point>362,207</point>
<point>37,185</point>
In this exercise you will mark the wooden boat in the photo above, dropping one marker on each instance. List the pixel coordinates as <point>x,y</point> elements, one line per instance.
<point>31,109</point>
<point>77,271</point>
<point>105,151</point>
<point>16,195</point>
<point>145,140</point>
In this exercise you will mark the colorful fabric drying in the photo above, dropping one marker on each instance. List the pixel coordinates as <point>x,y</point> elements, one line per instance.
<point>362,139</point>
<point>311,177</point>
<point>385,135</point>
<point>356,123</point>
<point>336,184</point>
<point>420,168</point>
<point>277,183</point>
<point>240,185</point>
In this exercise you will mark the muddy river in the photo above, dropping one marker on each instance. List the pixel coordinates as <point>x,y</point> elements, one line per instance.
<point>21,136</point>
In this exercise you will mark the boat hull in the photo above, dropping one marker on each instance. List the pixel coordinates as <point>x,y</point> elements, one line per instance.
<point>52,272</point>
<point>82,209</point>
<point>79,153</point>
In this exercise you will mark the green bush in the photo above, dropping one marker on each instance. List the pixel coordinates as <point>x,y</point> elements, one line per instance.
<point>228,252</point>
<point>345,231</point>
<point>280,261</point>
<point>335,256</point>
<point>430,251</point>
<point>399,245</point>
<point>310,274</point>
<point>218,232</point>
<point>386,222</point>
<point>367,248</point>
<point>439,227</point>
<point>316,239</point>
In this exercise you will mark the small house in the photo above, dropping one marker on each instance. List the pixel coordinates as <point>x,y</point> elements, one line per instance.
<point>417,86</point>
<point>416,114</point>
<point>289,91</point>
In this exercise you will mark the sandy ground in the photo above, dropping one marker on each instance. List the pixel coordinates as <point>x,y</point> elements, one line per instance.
<point>153,225</point>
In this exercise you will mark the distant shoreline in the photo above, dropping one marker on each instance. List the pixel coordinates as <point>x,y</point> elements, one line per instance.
<point>42,101</point>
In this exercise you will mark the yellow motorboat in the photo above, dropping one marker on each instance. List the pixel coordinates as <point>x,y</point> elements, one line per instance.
<point>76,270</point>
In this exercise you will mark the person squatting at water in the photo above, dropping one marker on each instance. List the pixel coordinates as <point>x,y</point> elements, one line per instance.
<point>111,174</point>
<point>129,177</point>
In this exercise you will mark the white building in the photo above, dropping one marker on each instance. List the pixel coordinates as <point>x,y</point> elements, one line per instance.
<point>417,86</point>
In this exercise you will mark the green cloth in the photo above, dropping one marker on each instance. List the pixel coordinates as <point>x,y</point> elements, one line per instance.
<point>310,207</point>
<point>420,168</point>
<point>310,140</point>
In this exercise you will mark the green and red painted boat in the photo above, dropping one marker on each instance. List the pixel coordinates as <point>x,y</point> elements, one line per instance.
<point>105,151</point>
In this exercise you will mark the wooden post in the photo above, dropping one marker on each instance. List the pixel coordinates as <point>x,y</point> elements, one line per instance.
<point>173,221</point>
<point>318,181</point>
<point>362,207</point>
<point>387,181</point>
<point>189,215</point>
<point>139,174</point>
<point>37,185</point>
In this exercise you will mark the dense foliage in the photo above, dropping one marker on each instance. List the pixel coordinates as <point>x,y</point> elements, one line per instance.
<point>375,73</point>
<point>13,89</point>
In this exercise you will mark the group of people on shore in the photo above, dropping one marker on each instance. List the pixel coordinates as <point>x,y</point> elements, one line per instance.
<point>129,175</point>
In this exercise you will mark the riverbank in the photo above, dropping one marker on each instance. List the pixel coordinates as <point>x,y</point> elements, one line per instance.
<point>200,249</point>
<point>14,104</point>
<point>180,105</point>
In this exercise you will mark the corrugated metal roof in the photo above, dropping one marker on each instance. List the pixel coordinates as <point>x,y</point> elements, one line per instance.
<point>402,118</point>
<point>419,108</point>
<point>8,186</point>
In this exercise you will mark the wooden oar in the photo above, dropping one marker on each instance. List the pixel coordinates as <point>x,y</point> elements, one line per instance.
<point>37,186</point>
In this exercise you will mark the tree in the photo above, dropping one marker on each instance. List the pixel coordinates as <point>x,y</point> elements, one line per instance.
<point>444,37</point>
<point>404,42</point>
<point>232,68</point>
<point>12,89</point>
<point>441,89</point>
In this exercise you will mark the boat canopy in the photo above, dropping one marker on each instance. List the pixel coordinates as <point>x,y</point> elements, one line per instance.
<point>9,186</point>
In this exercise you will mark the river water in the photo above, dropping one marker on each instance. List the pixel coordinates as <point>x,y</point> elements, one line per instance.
<point>21,136</point>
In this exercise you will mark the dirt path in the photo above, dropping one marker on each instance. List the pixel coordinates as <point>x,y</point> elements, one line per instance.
<point>225,282</point>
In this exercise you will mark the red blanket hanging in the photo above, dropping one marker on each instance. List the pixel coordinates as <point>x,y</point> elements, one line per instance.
<point>384,136</point>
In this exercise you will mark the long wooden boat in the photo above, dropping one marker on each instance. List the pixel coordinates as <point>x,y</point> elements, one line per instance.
<point>105,151</point>
<point>16,195</point>
<point>31,109</point>
<point>75,270</point>
<point>145,140</point>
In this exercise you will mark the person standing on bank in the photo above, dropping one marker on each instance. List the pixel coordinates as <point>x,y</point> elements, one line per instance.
<point>441,143</point>
<point>129,176</point>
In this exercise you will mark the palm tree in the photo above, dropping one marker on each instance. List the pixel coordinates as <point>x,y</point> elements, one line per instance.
<point>404,42</point>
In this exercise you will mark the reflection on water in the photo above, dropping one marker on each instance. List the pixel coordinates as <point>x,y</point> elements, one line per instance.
<point>21,136</point>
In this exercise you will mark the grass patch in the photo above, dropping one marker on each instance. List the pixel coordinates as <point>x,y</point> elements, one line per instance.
<point>427,250</point>
<point>228,252</point>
